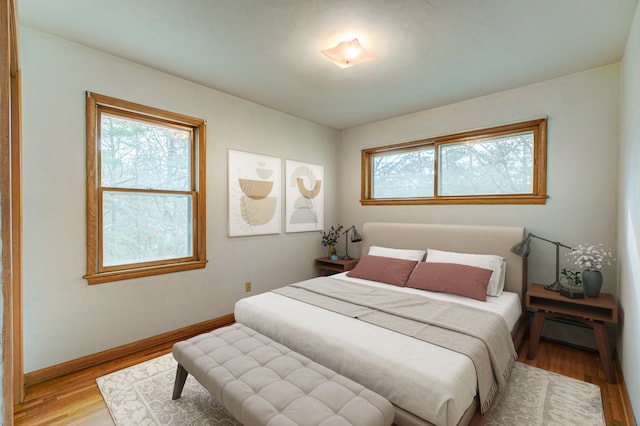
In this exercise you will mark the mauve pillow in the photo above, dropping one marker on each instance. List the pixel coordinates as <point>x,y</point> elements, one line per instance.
<point>496,263</point>
<point>383,269</point>
<point>453,278</point>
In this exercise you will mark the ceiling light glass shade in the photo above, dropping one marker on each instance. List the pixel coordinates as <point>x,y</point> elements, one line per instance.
<point>347,53</point>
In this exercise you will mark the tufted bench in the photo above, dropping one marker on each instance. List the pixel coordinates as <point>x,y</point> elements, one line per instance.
<point>262,382</point>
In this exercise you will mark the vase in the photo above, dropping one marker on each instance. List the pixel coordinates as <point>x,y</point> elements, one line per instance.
<point>592,283</point>
<point>332,250</point>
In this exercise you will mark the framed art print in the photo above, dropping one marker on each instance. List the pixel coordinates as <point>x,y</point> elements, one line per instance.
<point>254,194</point>
<point>304,199</point>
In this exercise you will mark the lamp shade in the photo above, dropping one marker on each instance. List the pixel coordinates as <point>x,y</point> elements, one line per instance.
<point>522,248</point>
<point>355,236</point>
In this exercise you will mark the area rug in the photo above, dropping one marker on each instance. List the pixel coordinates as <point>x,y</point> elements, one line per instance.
<point>141,395</point>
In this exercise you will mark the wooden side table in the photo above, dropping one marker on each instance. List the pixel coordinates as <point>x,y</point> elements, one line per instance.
<point>326,266</point>
<point>591,311</point>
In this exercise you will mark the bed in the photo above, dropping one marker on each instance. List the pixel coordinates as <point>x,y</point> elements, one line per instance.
<point>426,383</point>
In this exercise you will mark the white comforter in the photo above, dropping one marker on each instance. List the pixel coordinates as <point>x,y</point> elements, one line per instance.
<point>429,381</point>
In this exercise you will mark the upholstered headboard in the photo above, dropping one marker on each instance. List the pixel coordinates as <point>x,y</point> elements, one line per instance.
<point>460,238</point>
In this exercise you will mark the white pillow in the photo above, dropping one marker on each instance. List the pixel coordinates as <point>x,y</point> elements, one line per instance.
<point>488,261</point>
<point>405,254</point>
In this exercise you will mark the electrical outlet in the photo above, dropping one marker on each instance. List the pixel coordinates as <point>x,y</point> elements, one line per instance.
<point>247,286</point>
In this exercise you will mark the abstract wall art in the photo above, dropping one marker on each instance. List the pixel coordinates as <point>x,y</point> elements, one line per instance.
<point>304,189</point>
<point>254,194</point>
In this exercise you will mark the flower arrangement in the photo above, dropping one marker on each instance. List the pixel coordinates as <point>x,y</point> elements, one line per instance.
<point>591,257</point>
<point>330,238</point>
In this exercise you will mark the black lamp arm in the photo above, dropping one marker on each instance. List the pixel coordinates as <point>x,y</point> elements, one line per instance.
<point>557,243</point>
<point>349,229</point>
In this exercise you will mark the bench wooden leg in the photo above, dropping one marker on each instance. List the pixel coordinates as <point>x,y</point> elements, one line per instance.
<point>178,385</point>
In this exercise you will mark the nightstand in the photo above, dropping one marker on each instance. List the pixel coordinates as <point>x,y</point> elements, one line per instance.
<point>594,312</point>
<point>326,266</point>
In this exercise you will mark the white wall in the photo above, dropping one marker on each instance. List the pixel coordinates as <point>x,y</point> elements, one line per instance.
<point>582,164</point>
<point>64,318</point>
<point>629,214</point>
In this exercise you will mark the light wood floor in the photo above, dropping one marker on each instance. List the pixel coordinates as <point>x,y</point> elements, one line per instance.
<point>76,400</point>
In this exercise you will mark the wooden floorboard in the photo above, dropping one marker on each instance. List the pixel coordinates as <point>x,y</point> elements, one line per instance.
<point>74,399</point>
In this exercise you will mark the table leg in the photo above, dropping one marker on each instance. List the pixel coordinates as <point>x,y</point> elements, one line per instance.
<point>536,331</point>
<point>606,357</point>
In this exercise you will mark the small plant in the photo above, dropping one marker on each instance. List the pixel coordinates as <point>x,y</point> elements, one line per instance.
<point>330,238</point>
<point>591,257</point>
<point>572,278</point>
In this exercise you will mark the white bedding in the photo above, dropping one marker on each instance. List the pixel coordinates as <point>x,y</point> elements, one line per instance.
<point>426,380</point>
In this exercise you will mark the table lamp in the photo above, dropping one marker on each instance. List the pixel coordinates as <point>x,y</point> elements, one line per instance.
<point>522,250</point>
<point>355,238</point>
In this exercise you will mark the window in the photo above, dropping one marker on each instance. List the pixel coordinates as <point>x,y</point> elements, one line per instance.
<point>145,191</point>
<point>500,165</point>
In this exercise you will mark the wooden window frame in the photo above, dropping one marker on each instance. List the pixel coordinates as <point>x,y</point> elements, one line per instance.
<point>539,190</point>
<point>11,211</point>
<point>96,273</point>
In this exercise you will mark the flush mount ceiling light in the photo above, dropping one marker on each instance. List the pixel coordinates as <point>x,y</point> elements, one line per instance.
<point>347,53</point>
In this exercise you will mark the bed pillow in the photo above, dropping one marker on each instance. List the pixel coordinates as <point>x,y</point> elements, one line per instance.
<point>406,254</point>
<point>453,278</point>
<point>383,269</point>
<point>496,263</point>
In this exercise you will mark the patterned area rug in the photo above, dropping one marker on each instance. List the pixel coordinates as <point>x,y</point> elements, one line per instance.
<point>141,395</point>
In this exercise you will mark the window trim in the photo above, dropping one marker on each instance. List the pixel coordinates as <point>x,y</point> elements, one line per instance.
<point>539,190</point>
<point>97,275</point>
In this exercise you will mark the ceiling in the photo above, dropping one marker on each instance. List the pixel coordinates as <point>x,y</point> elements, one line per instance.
<point>427,53</point>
